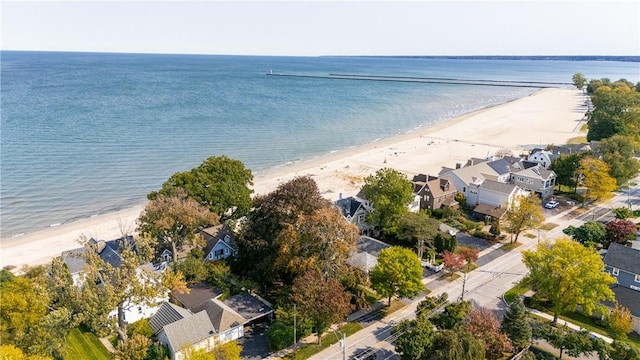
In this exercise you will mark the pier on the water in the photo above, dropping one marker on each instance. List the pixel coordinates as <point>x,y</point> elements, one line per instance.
<point>427,80</point>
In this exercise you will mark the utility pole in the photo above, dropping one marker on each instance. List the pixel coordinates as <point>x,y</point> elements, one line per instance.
<point>344,346</point>
<point>464,282</point>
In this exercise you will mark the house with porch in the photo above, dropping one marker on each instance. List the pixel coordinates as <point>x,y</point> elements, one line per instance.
<point>623,263</point>
<point>536,179</point>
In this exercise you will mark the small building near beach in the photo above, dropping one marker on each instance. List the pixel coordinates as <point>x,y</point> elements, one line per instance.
<point>434,192</point>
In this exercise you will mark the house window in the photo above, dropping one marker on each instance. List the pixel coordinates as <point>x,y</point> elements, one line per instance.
<point>360,218</point>
<point>226,251</point>
<point>219,253</point>
<point>210,256</point>
<point>616,271</point>
<point>139,309</point>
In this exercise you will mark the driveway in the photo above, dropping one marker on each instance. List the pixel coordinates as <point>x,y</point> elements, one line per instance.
<point>255,344</point>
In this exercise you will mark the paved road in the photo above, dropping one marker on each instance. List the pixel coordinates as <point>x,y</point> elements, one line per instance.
<point>484,286</point>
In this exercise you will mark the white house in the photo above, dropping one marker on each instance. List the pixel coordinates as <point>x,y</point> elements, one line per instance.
<point>355,211</point>
<point>219,243</point>
<point>542,157</point>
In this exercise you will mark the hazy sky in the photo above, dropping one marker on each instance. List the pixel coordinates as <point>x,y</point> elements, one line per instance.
<point>513,27</point>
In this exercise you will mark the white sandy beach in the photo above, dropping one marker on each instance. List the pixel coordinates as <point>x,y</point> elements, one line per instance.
<point>550,116</point>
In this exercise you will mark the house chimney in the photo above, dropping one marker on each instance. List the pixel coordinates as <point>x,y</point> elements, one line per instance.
<point>339,196</point>
<point>458,165</point>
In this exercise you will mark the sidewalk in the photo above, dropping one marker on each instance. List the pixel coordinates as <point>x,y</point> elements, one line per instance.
<point>568,324</point>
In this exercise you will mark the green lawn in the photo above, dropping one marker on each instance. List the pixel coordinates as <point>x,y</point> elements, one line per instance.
<point>516,292</point>
<point>83,345</point>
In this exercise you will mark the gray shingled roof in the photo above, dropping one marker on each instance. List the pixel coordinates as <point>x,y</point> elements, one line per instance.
<point>497,186</point>
<point>189,331</point>
<point>222,316</point>
<point>623,258</point>
<point>167,314</point>
<point>628,298</point>
<point>199,293</point>
<point>74,260</point>
<point>348,206</point>
<point>370,245</point>
<point>500,166</point>
<point>363,261</point>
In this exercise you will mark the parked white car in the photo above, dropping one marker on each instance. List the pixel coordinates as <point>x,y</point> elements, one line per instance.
<point>551,204</point>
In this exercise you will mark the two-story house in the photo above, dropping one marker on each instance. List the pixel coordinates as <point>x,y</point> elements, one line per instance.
<point>536,179</point>
<point>434,192</point>
<point>541,157</point>
<point>623,263</point>
<point>219,242</point>
<point>355,210</point>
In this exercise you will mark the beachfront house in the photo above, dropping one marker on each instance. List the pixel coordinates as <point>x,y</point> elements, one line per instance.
<point>109,252</point>
<point>623,263</point>
<point>355,210</point>
<point>219,242</point>
<point>542,157</point>
<point>434,192</point>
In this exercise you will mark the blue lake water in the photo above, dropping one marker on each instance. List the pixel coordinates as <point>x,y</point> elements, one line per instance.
<point>86,133</point>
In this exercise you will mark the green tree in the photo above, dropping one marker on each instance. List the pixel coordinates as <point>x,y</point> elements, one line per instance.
<point>568,274</point>
<point>579,80</point>
<point>418,230</point>
<point>483,324</point>
<point>620,321</point>
<point>563,338</point>
<point>524,213</point>
<point>615,111</point>
<point>453,315</point>
<point>619,152</point>
<point>621,350</point>
<point>227,351</point>
<point>596,178</point>
<point>565,166</point>
<point>173,220</point>
<point>458,345</point>
<point>398,272</point>
<point>390,192</point>
<point>415,338</point>
<point>620,231</point>
<point>622,213</point>
<point>11,352</point>
<point>219,183</point>
<point>134,348</point>
<point>591,233</point>
<point>516,326</point>
<point>321,300</point>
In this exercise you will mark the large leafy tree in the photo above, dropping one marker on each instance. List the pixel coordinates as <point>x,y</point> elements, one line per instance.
<point>596,178</point>
<point>390,192</point>
<point>579,80</point>
<point>524,213</point>
<point>320,299</point>
<point>259,243</point>
<point>458,344</point>
<point>398,272</point>
<point>620,231</point>
<point>220,183</point>
<point>591,233</point>
<point>575,343</point>
<point>107,287</point>
<point>619,152</point>
<point>483,323</point>
<point>516,325</point>
<point>568,274</point>
<point>453,315</point>
<point>615,111</point>
<point>321,240</point>
<point>565,167</point>
<point>418,230</point>
<point>174,219</point>
<point>415,338</point>
<point>452,261</point>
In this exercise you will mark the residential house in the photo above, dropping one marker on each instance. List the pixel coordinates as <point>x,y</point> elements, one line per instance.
<point>623,263</point>
<point>434,192</point>
<point>219,242</point>
<point>355,210</point>
<point>536,179</point>
<point>229,317</point>
<point>366,256</point>
<point>541,157</point>
<point>109,252</point>
<point>182,331</point>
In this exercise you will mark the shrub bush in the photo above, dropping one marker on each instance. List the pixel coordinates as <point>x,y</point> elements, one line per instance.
<point>622,213</point>
<point>141,327</point>
<point>280,336</point>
